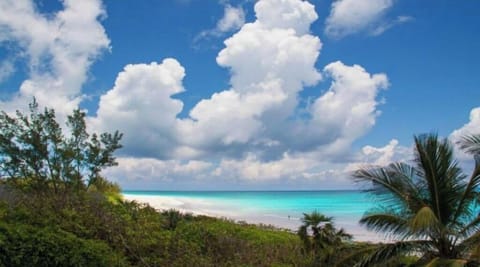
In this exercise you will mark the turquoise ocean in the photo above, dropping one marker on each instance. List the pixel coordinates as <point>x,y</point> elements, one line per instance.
<point>279,208</point>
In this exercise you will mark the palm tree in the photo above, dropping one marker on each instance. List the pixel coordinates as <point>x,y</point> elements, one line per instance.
<point>172,217</point>
<point>431,207</point>
<point>325,237</point>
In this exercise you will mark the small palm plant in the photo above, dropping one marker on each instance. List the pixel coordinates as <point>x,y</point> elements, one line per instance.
<point>172,217</point>
<point>431,207</point>
<point>325,237</point>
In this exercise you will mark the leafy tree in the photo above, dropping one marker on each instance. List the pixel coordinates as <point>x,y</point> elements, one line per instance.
<point>325,237</point>
<point>431,207</point>
<point>34,149</point>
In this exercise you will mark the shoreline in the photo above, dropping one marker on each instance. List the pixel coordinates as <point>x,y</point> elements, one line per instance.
<point>214,208</point>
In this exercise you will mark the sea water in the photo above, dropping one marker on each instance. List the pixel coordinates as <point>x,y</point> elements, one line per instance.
<point>282,209</point>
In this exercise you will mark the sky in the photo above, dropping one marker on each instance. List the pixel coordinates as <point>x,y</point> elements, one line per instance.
<point>248,95</point>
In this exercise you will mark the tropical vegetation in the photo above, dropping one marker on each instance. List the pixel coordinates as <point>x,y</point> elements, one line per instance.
<point>430,207</point>
<point>321,239</point>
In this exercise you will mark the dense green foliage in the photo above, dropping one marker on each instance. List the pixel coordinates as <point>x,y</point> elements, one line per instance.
<point>89,230</point>
<point>431,207</point>
<point>26,245</point>
<point>326,243</point>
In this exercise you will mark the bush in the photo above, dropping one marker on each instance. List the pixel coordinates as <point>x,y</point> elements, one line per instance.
<point>24,245</point>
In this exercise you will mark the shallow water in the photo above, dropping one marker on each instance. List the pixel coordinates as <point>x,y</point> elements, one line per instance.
<point>280,208</point>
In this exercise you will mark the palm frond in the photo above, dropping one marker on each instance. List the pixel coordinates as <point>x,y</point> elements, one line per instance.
<point>432,199</point>
<point>385,252</point>
<point>470,192</point>
<point>343,235</point>
<point>408,175</point>
<point>470,243</point>
<point>315,218</point>
<point>470,144</point>
<point>393,182</point>
<point>438,262</point>
<point>475,254</point>
<point>425,222</point>
<point>441,174</point>
<point>394,224</point>
<point>302,231</point>
<point>472,227</point>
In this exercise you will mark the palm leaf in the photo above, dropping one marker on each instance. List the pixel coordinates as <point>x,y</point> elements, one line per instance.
<point>470,193</point>
<point>470,243</point>
<point>472,227</point>
<point>470,144</point>
<point>438,262</point>
<point>393,182</point>
<point>433,200</point>
<point>441,174</point>
<point>385,252</point>
<point>315,218</point>
<point>425,222</point>
<point>408,175</point>
<point>343,235</point>
<point>394,224</point>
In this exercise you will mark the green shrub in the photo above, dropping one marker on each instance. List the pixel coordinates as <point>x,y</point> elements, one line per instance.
<point>24,245</point>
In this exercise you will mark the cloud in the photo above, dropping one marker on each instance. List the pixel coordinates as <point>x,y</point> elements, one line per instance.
<point>352,16</point>
<point>271,61</point>
<point>348,109</point>
<point>250,131</point>
<point>311,169</point>
<point>252,168</point>
<point>148,169</point>
<point>59,50</point>
<point>380,156</point>
<point>140,105</point>
<point>305,170</point>
<point>471,127</point>
<point>233,19</point>
<point>286,14</point>
<point>383,156</point>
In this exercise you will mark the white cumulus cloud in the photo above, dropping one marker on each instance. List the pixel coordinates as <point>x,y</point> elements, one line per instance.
<point>470,128</point>
<point>286,14</point>
<point>59,50</point>
<point>349,108</point>
<point>271,61</point>
<point>140,105</point>
<point>381,156</point>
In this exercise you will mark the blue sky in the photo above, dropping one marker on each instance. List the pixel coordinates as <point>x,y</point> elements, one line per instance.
<point>270,94</point>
